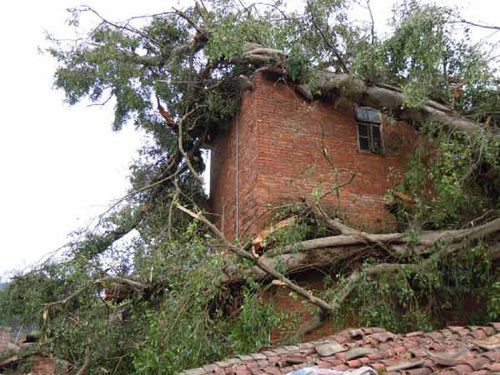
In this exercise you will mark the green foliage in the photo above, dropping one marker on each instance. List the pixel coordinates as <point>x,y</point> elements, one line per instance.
<point>191,61</point>
<point>494,302</point>
<point>445,178</point>
<point>255,321</point>
<point>430,56</point>
<point>302,226</point>
<point>428,297</point>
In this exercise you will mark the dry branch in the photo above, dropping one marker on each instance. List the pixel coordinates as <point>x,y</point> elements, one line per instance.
<point>395,242</point>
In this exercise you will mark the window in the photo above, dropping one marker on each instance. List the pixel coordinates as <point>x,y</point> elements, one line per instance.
<point>369,129</point>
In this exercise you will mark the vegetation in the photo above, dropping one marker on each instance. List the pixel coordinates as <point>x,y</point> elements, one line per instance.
<point>156,288</point>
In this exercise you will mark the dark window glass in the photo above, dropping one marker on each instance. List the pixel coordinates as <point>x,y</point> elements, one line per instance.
<point>364,143</point>
<point>376,139</point>
<point>361,114</point>
<point>363,130</point>
<point>369,131</point>
<point>368,115</point>
<point>374,116</point>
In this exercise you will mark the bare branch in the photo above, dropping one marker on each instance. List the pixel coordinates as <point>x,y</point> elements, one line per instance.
<point>372,21</point>
<point>162,180</point>
<point>475,24</point>
<point>190,21</point>
<point>86,8</point>
<point>335,51</point>
<point>148,61</point>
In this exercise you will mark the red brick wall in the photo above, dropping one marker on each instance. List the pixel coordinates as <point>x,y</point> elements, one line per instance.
<point>5,338</point>
<point>234,173</point>
<point>43,366</point>
<point>273,154</point>
<point>300,311</point>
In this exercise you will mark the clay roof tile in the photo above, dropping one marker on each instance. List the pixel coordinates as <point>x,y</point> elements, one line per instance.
<point>477,363</point>
<point>492,355</point>
<point>493,367</point>
<point>463,369</point>
<point>496,326</point>
<point>414,353</point>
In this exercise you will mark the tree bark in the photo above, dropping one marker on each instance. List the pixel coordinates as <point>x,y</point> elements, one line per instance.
<point>322,252</point>
<point>383,97</point>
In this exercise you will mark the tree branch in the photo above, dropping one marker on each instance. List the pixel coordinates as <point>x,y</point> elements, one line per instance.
<point>372,29</point>
<point>339,58</point>
<point>181,147</point>
<point>386,98</point>
<point>86,362</point>
<point>264,266</point>
<point>87,8</point>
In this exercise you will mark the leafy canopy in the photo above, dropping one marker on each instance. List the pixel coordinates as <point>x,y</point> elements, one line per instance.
<point>177,312</point>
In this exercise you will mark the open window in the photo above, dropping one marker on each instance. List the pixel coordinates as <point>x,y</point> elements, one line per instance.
<point>369,129</point>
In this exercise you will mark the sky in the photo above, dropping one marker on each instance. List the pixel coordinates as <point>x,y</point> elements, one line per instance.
<point>62,166</point>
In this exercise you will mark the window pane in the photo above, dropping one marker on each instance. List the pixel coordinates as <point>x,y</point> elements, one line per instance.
<point>374,116</point>
<point>363,130</point>
<point>361,114</point>
<point>363,143</point>
<point>376,139</point>
<point>367,114</point>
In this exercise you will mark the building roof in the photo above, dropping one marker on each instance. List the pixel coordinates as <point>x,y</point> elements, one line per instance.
<point>454,350</point>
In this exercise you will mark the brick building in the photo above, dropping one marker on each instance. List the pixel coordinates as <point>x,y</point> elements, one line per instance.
<point>281,149</point>
<point>13,362</point>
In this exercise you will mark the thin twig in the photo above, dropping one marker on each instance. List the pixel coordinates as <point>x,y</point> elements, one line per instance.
<point>327,42</point>
<point>86,362</point>
<point>372,21</point>
<point>87,8</point>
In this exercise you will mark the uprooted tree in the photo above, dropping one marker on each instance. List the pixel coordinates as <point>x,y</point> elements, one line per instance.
<point>156,287</point>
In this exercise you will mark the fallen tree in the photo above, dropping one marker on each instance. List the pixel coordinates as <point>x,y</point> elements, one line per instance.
<point>322,252</point>
<point>386,98</point>
<point>172,290</point>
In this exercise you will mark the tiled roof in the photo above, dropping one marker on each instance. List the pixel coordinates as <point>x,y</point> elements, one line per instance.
<point>454,350</point>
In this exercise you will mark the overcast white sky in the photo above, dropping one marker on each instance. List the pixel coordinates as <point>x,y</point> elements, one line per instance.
<point>61,165</point>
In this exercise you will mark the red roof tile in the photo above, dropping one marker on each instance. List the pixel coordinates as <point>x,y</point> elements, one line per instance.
<point>450,351</point>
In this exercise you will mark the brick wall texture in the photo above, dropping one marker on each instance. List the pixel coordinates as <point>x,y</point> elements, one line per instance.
<point>273,154</point>
<point>43,366</point>
<point>5,338</point>
<point>39,365</point>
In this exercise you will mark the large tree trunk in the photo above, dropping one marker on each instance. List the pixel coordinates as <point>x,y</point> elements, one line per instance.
<point>322,252</point>
<point>383,97</point>
<point>391,100</point>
